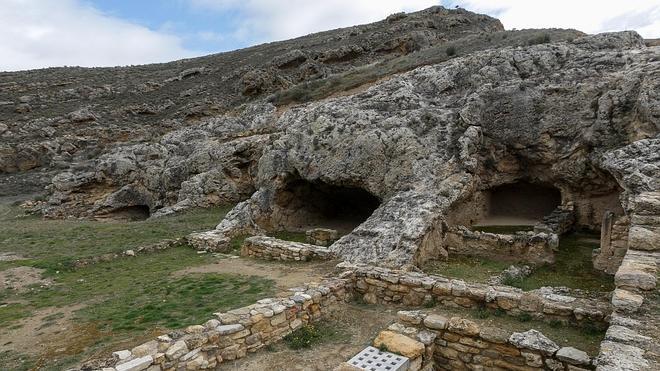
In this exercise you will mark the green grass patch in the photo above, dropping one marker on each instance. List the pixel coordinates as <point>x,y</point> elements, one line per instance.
<point>139,293</point>
<point>573,267</point>
<point>313,334</point>
<point>466,268</point>
<point>236,243</point>
<point>55,244</point>
<point>290,236</point>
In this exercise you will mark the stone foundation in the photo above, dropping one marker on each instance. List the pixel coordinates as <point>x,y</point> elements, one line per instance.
<point>626,345</point>
<point>236,333</point>
<point>383,286</point>
<point>460,344</point>
<point>269,248</point>
<point>528,247</point>
<point>613,243</point>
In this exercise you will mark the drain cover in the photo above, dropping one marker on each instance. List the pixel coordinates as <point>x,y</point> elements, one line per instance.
<point>372,359</point>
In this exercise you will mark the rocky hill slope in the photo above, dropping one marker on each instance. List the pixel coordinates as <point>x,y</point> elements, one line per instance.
<point>52,118</point>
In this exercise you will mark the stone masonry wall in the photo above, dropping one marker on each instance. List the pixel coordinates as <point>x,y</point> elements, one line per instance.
<point>528,247</point>
<point>631,340</point>
<point>384,286</point>
<point>460,344</point>
<point>234,334</point>
<point>269,248</point>
<point>613,243</point>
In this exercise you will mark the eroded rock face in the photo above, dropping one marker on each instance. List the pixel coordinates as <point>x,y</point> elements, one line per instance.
<point>53,118</point>
<point>565,114</point>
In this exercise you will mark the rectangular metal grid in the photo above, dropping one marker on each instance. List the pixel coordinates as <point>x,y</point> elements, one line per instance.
<point>372,359</point>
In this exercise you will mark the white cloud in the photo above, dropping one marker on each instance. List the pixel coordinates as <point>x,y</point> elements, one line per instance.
<point>590,16</point>
<point>267,20</point>
<point>44,33</point>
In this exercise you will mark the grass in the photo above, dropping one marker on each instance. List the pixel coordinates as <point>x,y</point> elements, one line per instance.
<point>143,295</point>
<point>290,236</point>
<point>573,268</point>
<point>312,334</point>
<point>124,300</point>
<point>55,244</point>
<point>587,339</point>
<point>467,268</point>
<point>503,229</point>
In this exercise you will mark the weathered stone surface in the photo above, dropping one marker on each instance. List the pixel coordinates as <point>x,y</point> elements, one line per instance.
<point>436,322</point>
<point>615,356</point>
<point>463,326</point>
<point>137,364</point>
<point>534,340</point>
<point>399,344</point>
<point>626,301</point>
<point>176,350</point>
<point>573,356</point>
<point>229,329</point>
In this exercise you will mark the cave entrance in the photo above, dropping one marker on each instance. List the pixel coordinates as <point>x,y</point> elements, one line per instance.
<point>519,204</point>
<point>303,205</point>
<point>128,213</point>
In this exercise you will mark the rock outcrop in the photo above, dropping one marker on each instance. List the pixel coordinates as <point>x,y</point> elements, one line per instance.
<point>576,115</point>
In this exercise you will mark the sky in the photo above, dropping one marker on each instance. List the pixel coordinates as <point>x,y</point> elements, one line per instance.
<point>52,33</point>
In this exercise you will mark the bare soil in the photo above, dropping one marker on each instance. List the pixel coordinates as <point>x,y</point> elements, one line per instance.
<point>361,325</point>
<point>20,278</point>
<point>285,274</point>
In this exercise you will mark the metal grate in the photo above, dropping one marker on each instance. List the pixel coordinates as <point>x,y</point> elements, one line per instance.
<point>372,359</point>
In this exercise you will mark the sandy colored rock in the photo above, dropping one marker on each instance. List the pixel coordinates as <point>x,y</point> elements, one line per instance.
<point>400,344</point>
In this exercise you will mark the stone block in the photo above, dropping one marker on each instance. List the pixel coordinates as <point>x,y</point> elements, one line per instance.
<point>399,344</point>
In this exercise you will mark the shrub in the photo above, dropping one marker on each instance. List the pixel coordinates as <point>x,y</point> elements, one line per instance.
<point>524,317</point>
<point>451,51</point>
<point>540,39</point>
<point>303,337</point>
<point>482,313</point>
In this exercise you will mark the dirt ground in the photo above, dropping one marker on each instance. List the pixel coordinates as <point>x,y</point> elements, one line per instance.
<point>361,324</point>
<point>19,278</point>
<point>285,274</point>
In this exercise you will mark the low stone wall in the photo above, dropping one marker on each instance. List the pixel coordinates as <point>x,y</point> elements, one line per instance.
<point>632,342</point>
<point>384,286</point>
<point>270,248</point>
<point>561,220</point>
<point>234,334</point>
<point>613,243</point>
<point>459,344</point>
<point>528,247</point>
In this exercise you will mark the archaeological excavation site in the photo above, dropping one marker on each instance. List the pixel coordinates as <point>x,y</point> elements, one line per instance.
<point>427,192</point>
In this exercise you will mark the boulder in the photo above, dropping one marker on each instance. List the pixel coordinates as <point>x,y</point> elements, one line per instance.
<point>400,344</point>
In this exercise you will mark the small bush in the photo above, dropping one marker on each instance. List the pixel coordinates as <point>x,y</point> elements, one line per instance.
<point>555,323</point>
<point>383,348</point>
<point>540,39</point>
<point>451,51</point>
<point>482,313</point>
<point>303,337</point>
<point>513,281</point>
<point>430,303</point>
<point>499,312</point>
<point>524,317</point>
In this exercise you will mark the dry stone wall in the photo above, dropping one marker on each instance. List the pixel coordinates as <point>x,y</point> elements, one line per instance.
<point>269,248</point>
<point>528,247</point>
<point>631,340</point>
<point>460,344</point>
<point>377,285</point>
<point>236,333</point>
<point>613,243</point>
